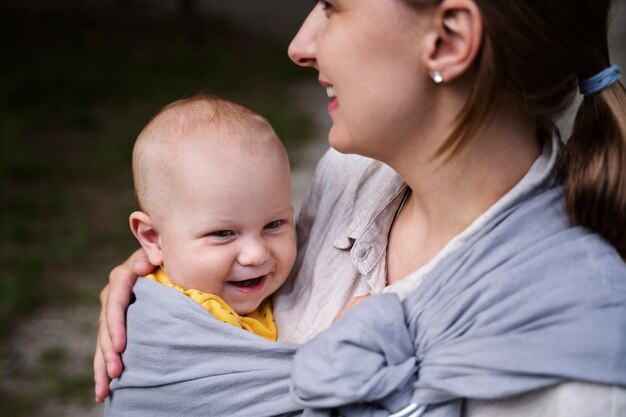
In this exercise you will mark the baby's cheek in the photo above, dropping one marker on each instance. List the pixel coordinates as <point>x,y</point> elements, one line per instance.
<point>218,262</point>
<point>289,250</point>
<point>205,270</point>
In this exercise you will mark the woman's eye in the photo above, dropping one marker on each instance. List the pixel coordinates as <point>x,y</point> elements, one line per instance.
<point>274,225</point>
<point>222,233</point>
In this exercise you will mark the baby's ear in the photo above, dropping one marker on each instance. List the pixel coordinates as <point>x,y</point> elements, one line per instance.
<point>142,226</point>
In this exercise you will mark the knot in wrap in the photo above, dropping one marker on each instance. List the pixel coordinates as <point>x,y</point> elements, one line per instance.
<point>528,302</point>
<point>374,363</point>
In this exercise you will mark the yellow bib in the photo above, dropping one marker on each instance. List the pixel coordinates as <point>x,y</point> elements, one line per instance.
<point>259,322</point>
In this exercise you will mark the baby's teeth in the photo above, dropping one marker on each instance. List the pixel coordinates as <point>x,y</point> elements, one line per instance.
<point>330,92</point>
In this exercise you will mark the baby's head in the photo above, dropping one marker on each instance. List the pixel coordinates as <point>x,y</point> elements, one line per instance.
<point>213,184</point>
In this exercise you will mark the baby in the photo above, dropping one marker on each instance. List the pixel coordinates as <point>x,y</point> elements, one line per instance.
<point>213,184</point>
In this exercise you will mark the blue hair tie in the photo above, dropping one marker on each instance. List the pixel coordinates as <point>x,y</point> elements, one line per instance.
<point>600,81</point>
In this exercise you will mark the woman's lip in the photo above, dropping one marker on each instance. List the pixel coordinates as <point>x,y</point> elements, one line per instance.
<point>324,83</point>
<point>333,104</point>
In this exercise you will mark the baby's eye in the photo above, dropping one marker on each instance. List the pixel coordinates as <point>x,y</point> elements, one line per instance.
<point>222,233</point>
<point>275,224</point>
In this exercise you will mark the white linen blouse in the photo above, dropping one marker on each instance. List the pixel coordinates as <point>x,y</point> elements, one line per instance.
<point>343,229</point>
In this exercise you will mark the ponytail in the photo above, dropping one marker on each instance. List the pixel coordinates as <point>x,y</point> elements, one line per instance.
<point>596,173</point>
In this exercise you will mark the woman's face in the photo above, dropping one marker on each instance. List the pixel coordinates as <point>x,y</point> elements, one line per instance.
<point>369,57</point>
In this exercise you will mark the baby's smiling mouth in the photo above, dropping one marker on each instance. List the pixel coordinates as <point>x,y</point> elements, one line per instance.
<point>247,283</point>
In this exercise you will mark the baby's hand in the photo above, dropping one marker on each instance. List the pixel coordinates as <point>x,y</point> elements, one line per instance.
<point>351,303</point>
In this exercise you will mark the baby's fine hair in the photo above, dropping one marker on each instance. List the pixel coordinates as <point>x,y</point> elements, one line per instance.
<point>199,119</point>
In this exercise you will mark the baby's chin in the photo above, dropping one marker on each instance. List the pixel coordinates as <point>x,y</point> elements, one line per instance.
<point>244,308</point>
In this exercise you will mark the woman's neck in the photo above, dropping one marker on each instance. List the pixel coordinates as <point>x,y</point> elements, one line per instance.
<point>447,196</point>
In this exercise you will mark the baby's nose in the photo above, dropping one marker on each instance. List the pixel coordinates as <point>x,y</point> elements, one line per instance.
<point>254,252</point>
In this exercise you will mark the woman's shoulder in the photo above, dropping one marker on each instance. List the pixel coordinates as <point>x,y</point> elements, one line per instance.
<point>539,228</point>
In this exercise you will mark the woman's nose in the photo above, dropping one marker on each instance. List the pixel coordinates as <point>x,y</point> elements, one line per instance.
<point>302,49</point>
<point>254,251</point>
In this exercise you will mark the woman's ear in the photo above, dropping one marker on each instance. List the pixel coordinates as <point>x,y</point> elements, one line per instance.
<point>459,33</point>
<point>142,226</point>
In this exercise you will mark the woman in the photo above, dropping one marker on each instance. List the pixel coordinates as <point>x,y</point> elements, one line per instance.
<point>456,100</point>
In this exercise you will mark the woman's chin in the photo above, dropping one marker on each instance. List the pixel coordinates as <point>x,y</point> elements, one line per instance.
<point>340,141</point>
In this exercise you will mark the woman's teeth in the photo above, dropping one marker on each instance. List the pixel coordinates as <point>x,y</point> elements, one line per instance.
<point>330,91</point>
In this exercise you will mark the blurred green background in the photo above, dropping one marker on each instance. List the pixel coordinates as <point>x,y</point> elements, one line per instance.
<point>77,83</point>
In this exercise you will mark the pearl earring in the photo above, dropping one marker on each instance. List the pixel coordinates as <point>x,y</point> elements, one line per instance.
<point>437,77</point>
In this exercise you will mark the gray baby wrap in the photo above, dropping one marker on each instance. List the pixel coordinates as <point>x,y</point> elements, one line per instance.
<point>181,361</point>
<point>526,303</point>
